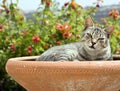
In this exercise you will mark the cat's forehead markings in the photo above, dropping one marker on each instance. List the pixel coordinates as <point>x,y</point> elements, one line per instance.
<point>96,31</point>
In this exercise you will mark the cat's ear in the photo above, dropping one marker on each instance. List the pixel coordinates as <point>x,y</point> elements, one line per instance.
<point>88,22</point>
<point>109,30</point>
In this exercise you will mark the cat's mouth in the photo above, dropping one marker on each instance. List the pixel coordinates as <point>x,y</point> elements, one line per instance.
<point>92,47</point>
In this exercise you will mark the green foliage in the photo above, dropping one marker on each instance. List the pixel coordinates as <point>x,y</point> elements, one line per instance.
<point>50,26</point>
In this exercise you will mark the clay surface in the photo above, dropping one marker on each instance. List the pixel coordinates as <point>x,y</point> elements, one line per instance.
<point>65,76</point>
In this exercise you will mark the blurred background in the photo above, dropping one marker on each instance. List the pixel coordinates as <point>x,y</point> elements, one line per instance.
<point>28,5</point>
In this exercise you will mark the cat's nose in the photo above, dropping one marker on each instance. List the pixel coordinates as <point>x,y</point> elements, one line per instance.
<point>94,41</point>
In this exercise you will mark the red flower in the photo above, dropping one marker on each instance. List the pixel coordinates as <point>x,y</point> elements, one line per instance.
<point>110,13</point>
<point>63,28</point>
<point>48,3</point>
<point>73,7</point>
<point>73,4</point>
<point>29,49</point>
<point>35,39</point>
<point>115,16</point>
<point>7,11</point>
<point>66,4</point>
<point>12,47</point>
<point>67,35</point>
<point>114,13</point>
<point>98,6</point>
<point>1,27</point>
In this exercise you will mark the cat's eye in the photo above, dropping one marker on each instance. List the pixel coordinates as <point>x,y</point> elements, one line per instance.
<point>101,39</point>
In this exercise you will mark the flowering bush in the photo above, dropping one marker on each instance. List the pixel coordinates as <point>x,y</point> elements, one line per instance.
<point>50,26</point>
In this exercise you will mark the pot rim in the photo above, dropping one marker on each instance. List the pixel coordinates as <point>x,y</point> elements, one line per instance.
<point>32,58</point>
<point>27,62</point>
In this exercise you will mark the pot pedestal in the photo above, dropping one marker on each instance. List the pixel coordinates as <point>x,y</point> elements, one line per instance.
<point>65,76</point>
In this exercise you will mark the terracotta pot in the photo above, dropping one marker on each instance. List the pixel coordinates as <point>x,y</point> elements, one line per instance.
<point>65,76</point>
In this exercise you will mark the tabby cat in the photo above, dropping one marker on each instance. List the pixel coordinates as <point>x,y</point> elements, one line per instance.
<point>94,45</point>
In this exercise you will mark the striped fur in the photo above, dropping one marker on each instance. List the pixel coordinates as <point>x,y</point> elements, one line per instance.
<point>94,45</point>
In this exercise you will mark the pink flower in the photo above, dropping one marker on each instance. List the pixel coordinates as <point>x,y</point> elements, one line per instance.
<point>63,28</point>
<point>58,43</point>
<point>67,27</point>
<point>60,27</point>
